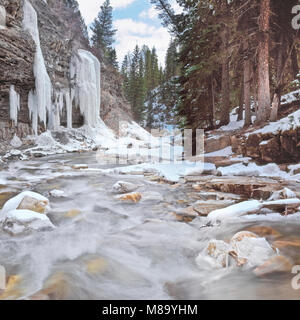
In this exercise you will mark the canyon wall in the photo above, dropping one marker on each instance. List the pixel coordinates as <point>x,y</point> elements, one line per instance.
<point>48,76</point>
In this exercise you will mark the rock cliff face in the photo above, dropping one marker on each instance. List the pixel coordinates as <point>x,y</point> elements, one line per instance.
<point>282,147</point>
<point>59,44</point>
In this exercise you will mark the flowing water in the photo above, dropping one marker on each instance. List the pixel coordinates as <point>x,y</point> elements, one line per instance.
<point>104,248</point>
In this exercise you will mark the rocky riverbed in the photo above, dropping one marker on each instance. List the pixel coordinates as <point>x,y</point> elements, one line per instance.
<point>84,231</point>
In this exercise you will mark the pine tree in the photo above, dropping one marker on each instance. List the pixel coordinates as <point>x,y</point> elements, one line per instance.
<point>113,58</point>
<point>102,28</point>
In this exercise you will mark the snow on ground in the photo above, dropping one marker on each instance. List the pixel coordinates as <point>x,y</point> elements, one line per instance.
<point>221,153</point>
<point>290,97</point>
<point>170,171</point>
<point>291,122</point>
<point>234,123</point>
<point>246,208</point>
<point>252,169</point>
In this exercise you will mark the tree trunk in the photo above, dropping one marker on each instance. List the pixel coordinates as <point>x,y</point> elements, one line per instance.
<point>241,105</point>
<point>214,110</point>
<point>225,108</point>
<point>280,67</point>
<point>247,85</point>
<point>264,99</point>
<point>295,65</point>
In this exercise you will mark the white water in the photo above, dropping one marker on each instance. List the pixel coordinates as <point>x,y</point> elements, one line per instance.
<point>144,252</point>
<point>14,101</point>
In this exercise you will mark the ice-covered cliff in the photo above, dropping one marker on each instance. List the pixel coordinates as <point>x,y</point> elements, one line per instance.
<point>48,75</point>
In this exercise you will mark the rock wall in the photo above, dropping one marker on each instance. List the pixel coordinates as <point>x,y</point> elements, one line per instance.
<point>282,147</point>
<point>58,44</point>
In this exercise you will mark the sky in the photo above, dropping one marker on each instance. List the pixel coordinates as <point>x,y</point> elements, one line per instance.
<point>137,22</point>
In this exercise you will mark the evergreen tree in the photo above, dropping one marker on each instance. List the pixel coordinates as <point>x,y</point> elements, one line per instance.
<point>102,28</point>
<point>113,59</point>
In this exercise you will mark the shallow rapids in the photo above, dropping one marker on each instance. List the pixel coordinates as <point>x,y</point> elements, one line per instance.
<point>103,248</point>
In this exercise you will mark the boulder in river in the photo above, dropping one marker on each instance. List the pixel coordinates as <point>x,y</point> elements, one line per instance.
<point>131,197</point>
<point>20,222</point>
<point>250,250</point>
<point>27,201</point>
<point>124,187</point>
<point>245,249</point>
<point>274,265</point>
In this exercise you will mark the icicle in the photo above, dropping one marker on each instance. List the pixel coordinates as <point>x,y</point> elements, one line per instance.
<point>69,101</point>
<point>14,101</point>
<point>2,17</point>
<point>85,68</point>
<point>39,102</point>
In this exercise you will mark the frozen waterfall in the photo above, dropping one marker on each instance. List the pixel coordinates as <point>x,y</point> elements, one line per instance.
<point>39,101</point>
<point>85,91</point>
<point>85,69</point>
<point>14,101</point>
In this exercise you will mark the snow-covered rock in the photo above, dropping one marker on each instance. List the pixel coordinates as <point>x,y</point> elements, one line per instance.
<point>26,201</point>
<point>124,187</point>
<point>57,193</point>
<point>216,254</point>
<point>245,250</point>
<point>237,210</point>
<point>16,142</point>
<point>249,250</point>
<point>19,222</point>
<point>283,194</point>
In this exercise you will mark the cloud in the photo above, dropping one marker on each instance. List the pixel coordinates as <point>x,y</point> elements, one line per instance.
<point>151,13</point>
<point>131,33</point>
<point>90,8</point>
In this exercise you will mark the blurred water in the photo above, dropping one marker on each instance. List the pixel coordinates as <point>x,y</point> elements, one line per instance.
<point>115,250</point>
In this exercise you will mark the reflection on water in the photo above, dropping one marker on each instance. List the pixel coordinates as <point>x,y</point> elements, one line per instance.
<point>106,249</point>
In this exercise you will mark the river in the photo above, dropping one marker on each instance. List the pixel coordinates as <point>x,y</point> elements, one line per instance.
<point>103,248</point>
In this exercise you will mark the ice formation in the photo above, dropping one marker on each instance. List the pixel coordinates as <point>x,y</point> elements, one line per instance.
<point>14,101</point>
<point>2,17</point>
<point>85,69</point>
<point>39,101</point>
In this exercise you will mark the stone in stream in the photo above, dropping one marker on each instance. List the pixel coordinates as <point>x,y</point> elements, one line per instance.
<point>12,292</point>
<point>26,201</point>
<point>96,266</point>
<point>131,197</point>
<point>80,166</point>
<point>266,232</point>
<point>274,265</point>
<point>21,222</point>
<point>124,187</point>
<point>57,287</point>
<point>73,213</point>
<point>203,208</point>
<point>57,194</point>
<point>284,244</point>
<point>283,194</point>
<point>248,249</point>
<point>245,249</point>
<point>217,252</point>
